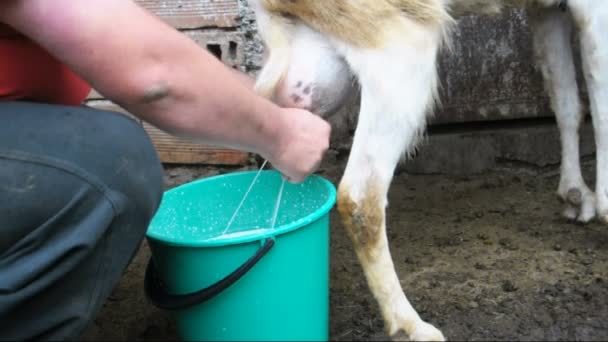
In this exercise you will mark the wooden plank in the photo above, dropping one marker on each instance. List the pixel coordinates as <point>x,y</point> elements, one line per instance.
<point>190,14</point>
<point>173,150</point>
<point>110,106</point>
<point>181,151</point>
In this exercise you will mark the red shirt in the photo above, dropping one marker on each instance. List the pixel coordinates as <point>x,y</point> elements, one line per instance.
<point>28,72</point>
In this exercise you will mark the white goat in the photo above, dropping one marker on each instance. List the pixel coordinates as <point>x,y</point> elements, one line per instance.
<point>315,47</point>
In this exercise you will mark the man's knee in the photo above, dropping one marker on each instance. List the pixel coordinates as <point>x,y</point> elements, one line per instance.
<point>133,167</point>
<point>106,145</point>
<point>106,148</point>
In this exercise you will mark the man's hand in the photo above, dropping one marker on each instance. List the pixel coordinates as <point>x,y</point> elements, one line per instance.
<point>302,144</point>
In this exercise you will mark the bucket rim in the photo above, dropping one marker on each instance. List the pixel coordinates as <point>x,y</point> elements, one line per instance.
<point>271,233</point>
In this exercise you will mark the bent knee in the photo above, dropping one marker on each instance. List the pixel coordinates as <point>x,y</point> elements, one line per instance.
<point>105,149</point>
<point>132,166</point>
<point>363,218</point>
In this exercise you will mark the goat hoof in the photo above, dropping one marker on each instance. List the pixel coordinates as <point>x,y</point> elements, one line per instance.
<point>426,332</point>
<point>400,336</point>
<point>588,211</point>
<point>602,215</point>
<point>601,206</point>
<point>570,213</point>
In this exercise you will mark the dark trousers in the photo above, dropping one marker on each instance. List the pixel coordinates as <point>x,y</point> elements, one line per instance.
<point>78,188</point>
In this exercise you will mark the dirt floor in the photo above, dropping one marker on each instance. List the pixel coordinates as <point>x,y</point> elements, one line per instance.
<point>482,258</point>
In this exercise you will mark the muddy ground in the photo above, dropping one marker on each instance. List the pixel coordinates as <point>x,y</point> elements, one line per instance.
<point>483,258</point>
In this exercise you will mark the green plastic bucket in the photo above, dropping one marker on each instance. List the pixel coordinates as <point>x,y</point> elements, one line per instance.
<point>253,283</point>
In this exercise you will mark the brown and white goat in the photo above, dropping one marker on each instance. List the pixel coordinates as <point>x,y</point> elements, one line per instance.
<point>315,49</point>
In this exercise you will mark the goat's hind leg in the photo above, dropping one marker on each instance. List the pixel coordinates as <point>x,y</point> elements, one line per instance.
<point>397,89</point>
<point>591,18</point>
<point>552,30</point>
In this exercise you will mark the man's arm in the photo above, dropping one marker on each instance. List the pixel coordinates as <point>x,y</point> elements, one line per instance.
<point>155,72</point>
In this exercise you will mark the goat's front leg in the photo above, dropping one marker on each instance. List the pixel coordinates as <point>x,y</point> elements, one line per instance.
<point>397,85</point>
<point>591,18</point>
<point>552,33</point>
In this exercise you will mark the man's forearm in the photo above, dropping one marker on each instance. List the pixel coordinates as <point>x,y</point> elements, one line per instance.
<point>234,115</point>
<point>245,79</point>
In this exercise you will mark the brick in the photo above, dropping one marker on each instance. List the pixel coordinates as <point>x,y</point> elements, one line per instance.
<point>226,45</point>
<point>190,14</point>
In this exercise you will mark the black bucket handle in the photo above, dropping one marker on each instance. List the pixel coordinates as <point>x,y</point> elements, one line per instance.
<point>156,293</point>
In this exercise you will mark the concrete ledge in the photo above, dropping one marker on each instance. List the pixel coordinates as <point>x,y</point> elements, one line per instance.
<point>471,152</point>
